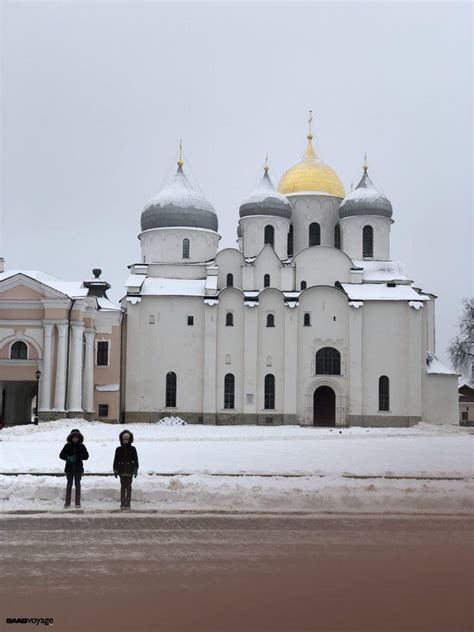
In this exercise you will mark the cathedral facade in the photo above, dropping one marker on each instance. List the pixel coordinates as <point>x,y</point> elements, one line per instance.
<point>307,321</point>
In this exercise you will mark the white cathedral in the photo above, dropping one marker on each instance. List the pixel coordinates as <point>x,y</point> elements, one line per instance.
<point>308,321</point>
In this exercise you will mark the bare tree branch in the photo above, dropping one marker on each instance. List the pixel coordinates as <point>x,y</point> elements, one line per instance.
<point>461,348</point>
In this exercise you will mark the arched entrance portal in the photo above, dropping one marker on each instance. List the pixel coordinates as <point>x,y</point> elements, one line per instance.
<point>324,406</point>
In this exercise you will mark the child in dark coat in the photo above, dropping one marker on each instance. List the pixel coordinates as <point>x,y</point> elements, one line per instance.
<point>125,466</point>
<point>74,453</point>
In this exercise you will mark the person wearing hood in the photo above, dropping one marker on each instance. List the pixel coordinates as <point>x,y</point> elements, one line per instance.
<point>74,453</point>
<point>126,466</point>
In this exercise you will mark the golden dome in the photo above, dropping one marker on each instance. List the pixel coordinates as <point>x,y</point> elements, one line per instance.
<point>311,175</point>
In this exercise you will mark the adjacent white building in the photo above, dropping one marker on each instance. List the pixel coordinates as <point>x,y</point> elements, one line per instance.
<point>309,320</point>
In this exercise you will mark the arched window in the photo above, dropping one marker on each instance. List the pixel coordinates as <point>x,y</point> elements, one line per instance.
<point>229,319</point>
<point>269,402</point>
<point>328,361</point>
<point>384,393</point>
<point>368,241</point>
<point>229,391</point>
<point>269,235</point>
<point>19,351</point>
<point>230,280</point>
<point>337,236</point>
<point>270,320</point>
<point>303,285</point>
<point>307,320</point>
<point>266,280</point>
<point>314,234</point>
<point>171,390</point>
<point>185,248</point>
<point>290,241</point>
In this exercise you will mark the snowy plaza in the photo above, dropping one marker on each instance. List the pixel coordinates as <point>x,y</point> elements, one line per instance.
<point>247,468</point>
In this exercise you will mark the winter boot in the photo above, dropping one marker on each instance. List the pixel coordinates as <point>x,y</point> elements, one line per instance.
<point>78,501</point>
<point>67,504</point>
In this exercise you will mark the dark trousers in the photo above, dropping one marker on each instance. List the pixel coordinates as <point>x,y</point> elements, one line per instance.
<point>76,478</point>
<point>125,491</point>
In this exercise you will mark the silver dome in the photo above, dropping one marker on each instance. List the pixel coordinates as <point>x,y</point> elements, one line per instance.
<point>365,199</point>
<point>179,204</point>
<point>265,200</point>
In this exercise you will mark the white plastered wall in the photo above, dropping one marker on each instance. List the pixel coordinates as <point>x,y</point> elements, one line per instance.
<point>351,235</point>
<point>165,245</point>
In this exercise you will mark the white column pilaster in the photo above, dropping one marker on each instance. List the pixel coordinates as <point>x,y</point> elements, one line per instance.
<point>291,362</point>
<point>251,394</point>
<point>355,370</point>
<point>45,386</point>
<point>61,357</point>
<point>75,368</point>
<point>88,390</point>
<point>210,363</point>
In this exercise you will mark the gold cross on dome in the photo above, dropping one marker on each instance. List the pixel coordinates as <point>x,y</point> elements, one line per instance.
<point>310,127</point>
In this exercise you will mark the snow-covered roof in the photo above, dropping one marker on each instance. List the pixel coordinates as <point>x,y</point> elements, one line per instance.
<point>265,200</point>
<point>135,280</point>
<point>106,305</point>
<point>381,270</point>
<point>382,292</point>
<point>365,199</point>
<point>157,286</point>
<point>72,289</point>
<point>434,365</point>
<point>179,204</point>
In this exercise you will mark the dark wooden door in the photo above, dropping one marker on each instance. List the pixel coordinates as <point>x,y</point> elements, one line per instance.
<point>324,406</point>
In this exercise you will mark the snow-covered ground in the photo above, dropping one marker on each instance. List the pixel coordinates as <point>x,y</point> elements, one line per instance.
<point>228,467</point>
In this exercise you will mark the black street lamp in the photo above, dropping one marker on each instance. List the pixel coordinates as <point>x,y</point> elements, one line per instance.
<point>38,375</point>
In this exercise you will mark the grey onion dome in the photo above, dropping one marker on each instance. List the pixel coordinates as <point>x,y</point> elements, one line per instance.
<point>179,204</point>
<point>265,200</point>
<point>365,199</point>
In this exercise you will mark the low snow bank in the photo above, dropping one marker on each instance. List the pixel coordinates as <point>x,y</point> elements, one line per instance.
<point>200,492</point>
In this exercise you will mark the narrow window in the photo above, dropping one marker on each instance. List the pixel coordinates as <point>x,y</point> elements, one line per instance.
<point>328,361</point>
<point>229,391</point>
<point>190,321</point>
<point>19,351</point>
<point>384,393</point>
<point>307,319</point>
<point>303,285</point>
<point>230,280</point>
<point>103,410</point>
<point>103,353</point>
<point>229,319</point>
<point>185,248</point>
<point>368,241</point>
<point>266,280</point>
<point>269,235</point>
<point>290,241</point>
<point>270,320</point>
<point>151,319</point>
<point>171,390</point>
<point>314,234</point>
<point>337,236</point>
<point>269,402</point>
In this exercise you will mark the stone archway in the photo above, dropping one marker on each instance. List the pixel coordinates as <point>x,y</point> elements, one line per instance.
<point>324,406</point>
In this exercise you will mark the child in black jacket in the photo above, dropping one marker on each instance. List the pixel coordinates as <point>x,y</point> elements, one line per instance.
<point>74,453</point>
<point>125,466</point>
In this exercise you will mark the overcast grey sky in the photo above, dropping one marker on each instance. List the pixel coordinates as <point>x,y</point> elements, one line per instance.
<point>97,94</point>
